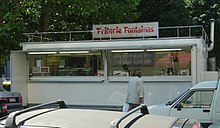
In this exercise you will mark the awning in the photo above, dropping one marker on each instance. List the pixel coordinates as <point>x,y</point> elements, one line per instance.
<point>111,44</point>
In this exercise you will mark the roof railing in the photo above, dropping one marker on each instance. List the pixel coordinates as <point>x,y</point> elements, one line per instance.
<point>184,31</point>
<point>173,31</point>
<point>143,109</point>
<point>11,120</point>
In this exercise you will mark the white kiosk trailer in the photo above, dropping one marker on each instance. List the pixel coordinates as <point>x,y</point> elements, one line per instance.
<point>95,72</point>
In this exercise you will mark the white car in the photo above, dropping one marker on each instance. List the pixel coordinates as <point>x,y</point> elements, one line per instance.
<point>215,125</point>
<point>200,102</point>
<point>41,116</point>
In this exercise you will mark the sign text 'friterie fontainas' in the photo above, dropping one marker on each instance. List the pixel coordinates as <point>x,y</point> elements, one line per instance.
<point>125,30</point>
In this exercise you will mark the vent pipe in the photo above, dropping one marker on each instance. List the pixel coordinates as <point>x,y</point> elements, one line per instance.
<point>212,30</point>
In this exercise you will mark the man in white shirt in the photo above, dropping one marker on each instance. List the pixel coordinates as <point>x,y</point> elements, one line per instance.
<point>135,92</point>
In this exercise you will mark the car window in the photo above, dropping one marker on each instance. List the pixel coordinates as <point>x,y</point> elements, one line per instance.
<point>198,99</point>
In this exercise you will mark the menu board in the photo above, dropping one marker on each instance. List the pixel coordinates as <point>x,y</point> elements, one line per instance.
<point>116,60</point>
<point>137,59</point>
<point>133,59</point>
<point>127,58</point>
<point>35,69</point>
<point>148,58</point>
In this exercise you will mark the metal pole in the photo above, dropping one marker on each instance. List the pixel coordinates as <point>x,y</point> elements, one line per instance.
<point>193,65</point>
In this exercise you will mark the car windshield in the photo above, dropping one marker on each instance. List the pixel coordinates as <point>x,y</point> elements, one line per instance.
<point>174,100</point>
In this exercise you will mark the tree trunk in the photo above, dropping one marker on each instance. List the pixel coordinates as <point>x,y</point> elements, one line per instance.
<point>44,17</point>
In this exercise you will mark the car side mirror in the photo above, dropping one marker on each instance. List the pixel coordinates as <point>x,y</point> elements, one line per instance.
<point>178,106</point>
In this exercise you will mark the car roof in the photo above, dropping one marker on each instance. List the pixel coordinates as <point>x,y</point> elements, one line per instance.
<point>83,118</point>
<point>206,85</point>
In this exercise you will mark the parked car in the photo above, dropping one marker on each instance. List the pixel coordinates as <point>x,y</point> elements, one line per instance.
<point>41,116</point>
<point>215,125</point>
<point>201,102</point>
<point>12,99</point>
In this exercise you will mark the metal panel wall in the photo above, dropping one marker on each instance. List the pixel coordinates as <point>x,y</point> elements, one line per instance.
<point>105,94</point>
<point>19,73</point>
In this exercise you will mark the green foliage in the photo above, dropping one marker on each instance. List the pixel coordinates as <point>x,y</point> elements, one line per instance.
<point>30,13</point>
<point>19,16</point>
<point>11,27</point>
<point>81,15</point>
<point>166,12</point>
<point>201,11</point>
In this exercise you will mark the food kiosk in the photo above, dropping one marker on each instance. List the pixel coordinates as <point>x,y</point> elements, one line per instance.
<point>94,72</point>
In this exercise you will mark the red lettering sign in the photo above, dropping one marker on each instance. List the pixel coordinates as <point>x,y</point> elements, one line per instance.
<point>125,30</point>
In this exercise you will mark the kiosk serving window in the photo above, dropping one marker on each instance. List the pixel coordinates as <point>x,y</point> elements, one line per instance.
<point>150,62</point>
<point>78,63</point>
<point>119,63</point>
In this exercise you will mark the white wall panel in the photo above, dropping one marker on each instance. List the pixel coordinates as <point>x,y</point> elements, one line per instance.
<point>102,94</point>
<point>19,74</point>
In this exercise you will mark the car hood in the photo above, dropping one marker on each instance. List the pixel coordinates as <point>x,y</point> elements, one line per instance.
<point>161,109</point>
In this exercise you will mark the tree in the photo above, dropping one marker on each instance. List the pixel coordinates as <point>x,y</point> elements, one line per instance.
<point>201,11</point>
<point>81,15</point>
<point>183,12</point>
<point>72,15</point>
<point>166,12</point>
<point>19,16</point>
<point>11,28</point>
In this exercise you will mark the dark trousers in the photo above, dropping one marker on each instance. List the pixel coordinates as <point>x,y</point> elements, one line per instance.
<point>131,106</point>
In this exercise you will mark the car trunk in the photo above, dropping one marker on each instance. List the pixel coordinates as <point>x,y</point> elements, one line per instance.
<point>13,99</point>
